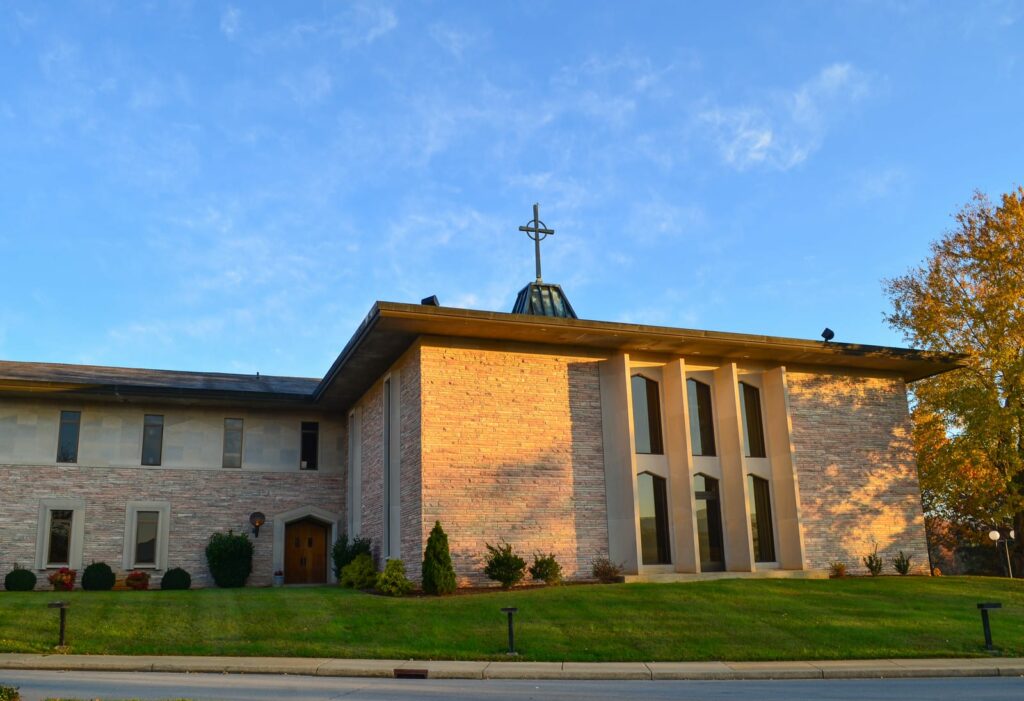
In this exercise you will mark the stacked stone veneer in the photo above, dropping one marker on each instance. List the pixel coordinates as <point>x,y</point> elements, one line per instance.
<point>512,450</point>
<point>856,470</point>
<point>202,502</point>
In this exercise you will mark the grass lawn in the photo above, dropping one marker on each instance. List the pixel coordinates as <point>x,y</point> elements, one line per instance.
<point>728,619</point>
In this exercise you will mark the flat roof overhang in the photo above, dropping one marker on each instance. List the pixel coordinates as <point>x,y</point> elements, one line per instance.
<point>391,328</point>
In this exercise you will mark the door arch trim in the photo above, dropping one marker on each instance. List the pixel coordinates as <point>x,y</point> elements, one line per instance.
<point>281,521</point>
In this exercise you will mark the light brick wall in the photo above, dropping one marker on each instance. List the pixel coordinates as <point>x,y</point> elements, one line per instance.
<point>857,475</point>
<point>512,449</point>
<point>202,502</point>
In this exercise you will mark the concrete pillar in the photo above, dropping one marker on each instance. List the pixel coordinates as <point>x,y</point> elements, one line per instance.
<point>739,549</point>
<point>619,462</point>
<point>779,429</point>
<point>686,555</point>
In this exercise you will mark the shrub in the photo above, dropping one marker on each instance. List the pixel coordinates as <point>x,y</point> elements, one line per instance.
<point>20,579</point>
<point>873,562</point>
<point>545,568</point>
<point>137,580</point>
<point>345,552</point>
<point>604,570</point>
<point>438,573</point>
<point>229,557</point>
<point>503,565</point>
<point>392,581</point>
<point>901,563</point>
<point>10,693</point>
<point>837,569</point>
<point>176,578</point>
<point>63,579</point>
<point>360,573</point>
<point>98,577</point>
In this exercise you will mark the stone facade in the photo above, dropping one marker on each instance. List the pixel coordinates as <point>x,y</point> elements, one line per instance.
<point>512,450</point>
<point>202,502</point>
<point>856,470</point>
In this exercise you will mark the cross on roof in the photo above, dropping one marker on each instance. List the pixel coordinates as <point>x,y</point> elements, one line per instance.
<point>538,231</point>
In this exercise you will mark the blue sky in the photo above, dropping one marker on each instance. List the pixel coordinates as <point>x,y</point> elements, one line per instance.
<point>216,186</point>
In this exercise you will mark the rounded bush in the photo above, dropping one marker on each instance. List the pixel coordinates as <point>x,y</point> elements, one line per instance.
<point>360,573</point>
<point>503,565</point>
<point>545,568</point>
<point>392,581</point>
<point>176,578</point>
<point>20,580</point>
<point>229,557</point>
<point>98,577</point>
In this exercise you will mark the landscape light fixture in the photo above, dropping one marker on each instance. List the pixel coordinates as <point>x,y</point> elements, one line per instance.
<point>997,537</point>
<point>828,334</point>
<point>257,519</point>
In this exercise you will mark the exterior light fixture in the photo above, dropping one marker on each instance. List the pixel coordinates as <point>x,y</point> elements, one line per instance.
<point>998,538</point>
<point>257,519</point>
<point>828,334</point>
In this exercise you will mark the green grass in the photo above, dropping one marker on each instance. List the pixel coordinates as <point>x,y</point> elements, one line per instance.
<point>728,619</point>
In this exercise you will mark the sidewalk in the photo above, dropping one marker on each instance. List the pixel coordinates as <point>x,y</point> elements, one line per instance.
<point>826,669</point>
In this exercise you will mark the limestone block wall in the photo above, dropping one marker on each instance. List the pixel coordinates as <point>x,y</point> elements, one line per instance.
<point>370,409</point>
<point>856,470</point>
<point>202,502</point>
<point>512,450</point>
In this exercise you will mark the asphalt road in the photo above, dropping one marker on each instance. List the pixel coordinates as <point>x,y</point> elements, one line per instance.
<point>37,685</point>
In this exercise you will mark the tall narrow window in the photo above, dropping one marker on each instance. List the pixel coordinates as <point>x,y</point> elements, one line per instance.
<point>761,519</point>
<point>152,439</point>
<point>233,443</point>
<point>67,439</point>
<point>386,444</point>
<point>355,476</point>
<point>702,425</point>
<point>310,445</point>
<point>709,523</point>
<point>58,547</point>
<point>753,427</point>
<point>146,529</point>
<point>646,416</point>
<point>654,537</point>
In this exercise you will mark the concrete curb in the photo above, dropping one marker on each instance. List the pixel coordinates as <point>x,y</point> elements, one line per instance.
<point>441,669</point>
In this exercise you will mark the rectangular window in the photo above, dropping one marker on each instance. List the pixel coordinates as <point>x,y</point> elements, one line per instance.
<point>310,445</point>
<point>152,439</point>
<point>58,548</point>
<point>147,525</point>
<point>233,443</point>
<point>646,416</point>
<point>386,445</point>
<point>702,425</point>
<point>761,519</point>
<point>67,440</point>
<point>753,427</point>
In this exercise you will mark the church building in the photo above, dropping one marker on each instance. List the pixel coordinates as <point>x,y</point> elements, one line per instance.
<point>678,453</point>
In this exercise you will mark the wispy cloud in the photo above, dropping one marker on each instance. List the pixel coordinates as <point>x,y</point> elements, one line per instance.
<point>230,21</point>
<point>788,126</point>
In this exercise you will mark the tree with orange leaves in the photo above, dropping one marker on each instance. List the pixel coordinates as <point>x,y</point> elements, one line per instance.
<point>968,297</point>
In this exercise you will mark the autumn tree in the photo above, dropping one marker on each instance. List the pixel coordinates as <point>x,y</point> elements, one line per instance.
<point>968,298</point>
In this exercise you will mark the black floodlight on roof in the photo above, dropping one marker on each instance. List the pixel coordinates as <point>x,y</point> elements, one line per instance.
<point>828,334</point>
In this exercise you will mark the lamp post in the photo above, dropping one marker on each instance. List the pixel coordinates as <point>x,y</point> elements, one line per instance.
<point>997,538</point>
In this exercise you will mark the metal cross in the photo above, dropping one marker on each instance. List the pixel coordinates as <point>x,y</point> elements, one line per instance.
<point>538,231</point>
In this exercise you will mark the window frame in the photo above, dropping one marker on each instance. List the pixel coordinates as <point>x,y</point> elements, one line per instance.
<point>760,501</point>
<point>76,537</point>
<point>315,431</point>
<point>752,414</point>
<point>241,444</point>
<point>662,520</point>
<point>653,415</point>
<point>132,508</point>
<point>702,421</point>
<point>160,440</point>
<point>60,433</point>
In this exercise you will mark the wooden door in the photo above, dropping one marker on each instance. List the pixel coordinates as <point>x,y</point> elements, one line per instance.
<point>305,552</point>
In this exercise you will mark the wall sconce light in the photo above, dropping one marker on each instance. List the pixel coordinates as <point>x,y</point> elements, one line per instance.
<point>257,519</point>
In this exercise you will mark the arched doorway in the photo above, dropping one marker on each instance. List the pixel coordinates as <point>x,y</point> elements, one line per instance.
<point>305,551</point>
